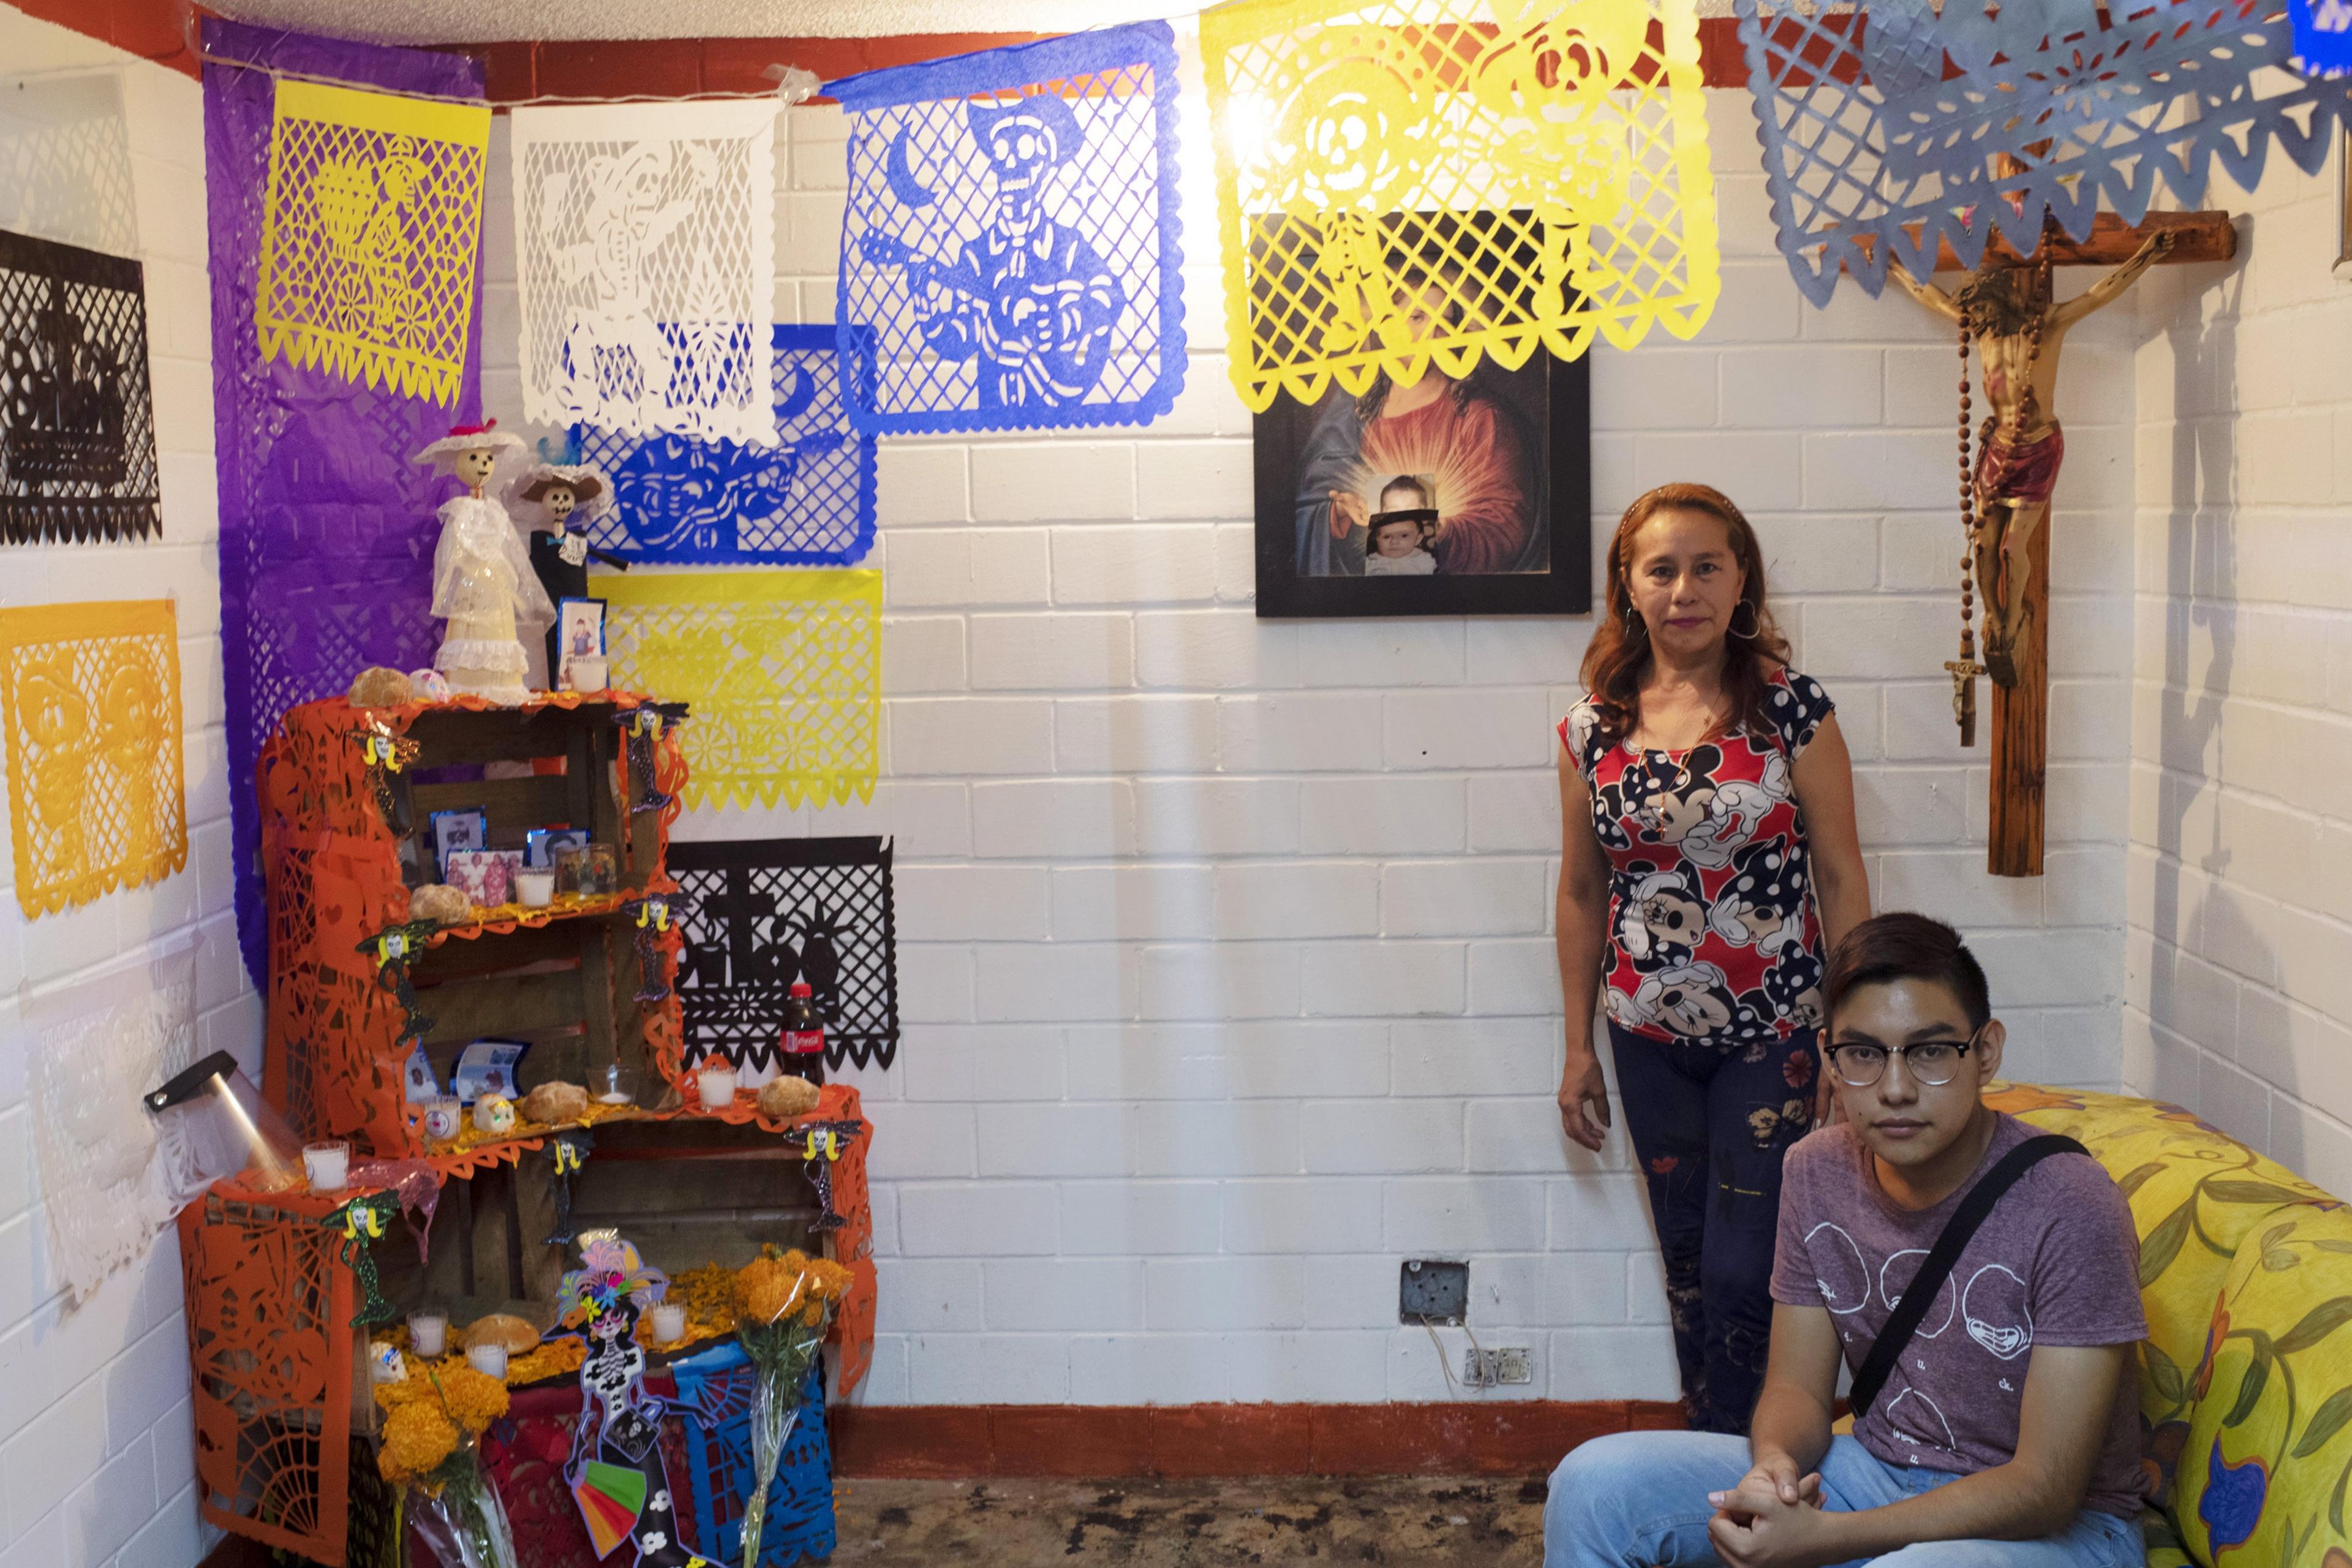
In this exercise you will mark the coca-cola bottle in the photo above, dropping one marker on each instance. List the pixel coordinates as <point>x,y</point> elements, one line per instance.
<point>801,1051</point>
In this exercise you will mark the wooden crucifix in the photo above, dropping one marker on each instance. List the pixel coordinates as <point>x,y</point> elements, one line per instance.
<point>2007,313</point>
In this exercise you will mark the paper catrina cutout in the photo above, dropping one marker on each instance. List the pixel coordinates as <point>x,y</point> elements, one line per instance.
<point>769,911</point>
<point>645,241</point>
<point>618,1474</point>
<point>1012,247</point>
<point>806,502</point>
<point>76,420</point>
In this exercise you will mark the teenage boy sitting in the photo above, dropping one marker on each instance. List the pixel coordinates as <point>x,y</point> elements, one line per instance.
<point>2006,1434</point>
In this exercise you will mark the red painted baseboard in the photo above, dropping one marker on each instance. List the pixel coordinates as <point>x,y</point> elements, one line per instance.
<point>956,1442</point>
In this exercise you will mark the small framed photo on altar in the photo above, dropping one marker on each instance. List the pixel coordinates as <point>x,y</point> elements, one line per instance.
<point>580,633</point>
<point>456,830</point>
<point>1454,496</point>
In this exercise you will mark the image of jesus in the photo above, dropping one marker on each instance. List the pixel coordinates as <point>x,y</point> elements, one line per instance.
<point>1476,445</point>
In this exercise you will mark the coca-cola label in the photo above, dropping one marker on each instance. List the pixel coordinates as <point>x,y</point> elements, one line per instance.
<point>803,1042</point>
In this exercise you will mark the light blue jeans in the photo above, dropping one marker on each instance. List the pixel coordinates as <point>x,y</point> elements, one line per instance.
<point>1638,1499</point>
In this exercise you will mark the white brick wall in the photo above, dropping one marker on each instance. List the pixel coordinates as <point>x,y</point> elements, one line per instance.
<point>97,1439</point>
<point>2239,999</point>
<point>1224,943</point>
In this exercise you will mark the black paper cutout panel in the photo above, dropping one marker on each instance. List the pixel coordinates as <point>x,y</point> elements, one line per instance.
<point>767,912</point>
<point>77,418</point>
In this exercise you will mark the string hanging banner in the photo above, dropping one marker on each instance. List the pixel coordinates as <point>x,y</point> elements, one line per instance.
<point>1011,254</point>
<point>1407,184</point>
<point>644,237</point>
<point>781,670</point>
<point>2323,37</point>
<point>806,502</point>
<point>91,698</point>
<point>372,235</point>
<point>76,418</point>
<point>327,527</point>
<point>2059,109</point>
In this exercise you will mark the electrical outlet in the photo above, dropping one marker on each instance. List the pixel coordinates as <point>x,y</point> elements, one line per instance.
<point>1431,1292</point>
<point>1488,1369</point>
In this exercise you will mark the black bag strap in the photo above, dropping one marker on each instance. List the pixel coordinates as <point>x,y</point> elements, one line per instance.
<point>1920,1294</point>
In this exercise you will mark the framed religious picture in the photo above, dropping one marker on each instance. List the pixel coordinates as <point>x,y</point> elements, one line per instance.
<point>1467,496</point>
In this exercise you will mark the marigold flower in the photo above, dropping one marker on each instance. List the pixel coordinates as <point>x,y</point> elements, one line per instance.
<point>416,1437</point>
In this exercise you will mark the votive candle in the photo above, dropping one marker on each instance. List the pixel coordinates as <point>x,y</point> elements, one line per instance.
<point>718,1085</point>
<point>490,1360</point>
<point>328,1164</point>
<point>669,1323</point>
<point>429,1333</point>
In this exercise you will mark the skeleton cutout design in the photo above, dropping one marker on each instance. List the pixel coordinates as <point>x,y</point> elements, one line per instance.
<point>1009,257</point>
<point>645,241</point>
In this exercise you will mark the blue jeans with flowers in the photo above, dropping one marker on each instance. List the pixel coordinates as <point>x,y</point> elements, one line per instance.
<point>1709,1124</point>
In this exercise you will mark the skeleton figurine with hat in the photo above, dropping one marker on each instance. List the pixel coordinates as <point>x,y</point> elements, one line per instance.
<point>482,582</point>
<point>552,500</point>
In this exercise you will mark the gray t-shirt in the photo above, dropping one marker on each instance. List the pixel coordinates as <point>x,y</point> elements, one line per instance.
<point>2056,1263</point>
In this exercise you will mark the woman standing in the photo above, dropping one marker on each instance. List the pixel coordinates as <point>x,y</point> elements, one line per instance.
<point>1708,849</point>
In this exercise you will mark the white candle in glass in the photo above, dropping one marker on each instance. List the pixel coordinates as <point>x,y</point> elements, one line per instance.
<point>328,1164</point>
<point>669,1323</point>
<point>429,1333</point>
<point>718,1085</point>
<point>535,889</point>
<point>490,1360</point>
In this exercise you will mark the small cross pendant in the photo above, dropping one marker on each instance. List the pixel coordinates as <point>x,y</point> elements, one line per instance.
<point>1964,673</point>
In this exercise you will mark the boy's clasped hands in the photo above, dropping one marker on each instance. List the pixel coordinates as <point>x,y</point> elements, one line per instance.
<point>1773,1519</point>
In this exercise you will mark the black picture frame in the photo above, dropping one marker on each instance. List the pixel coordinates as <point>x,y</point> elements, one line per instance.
<point>1563,387</point>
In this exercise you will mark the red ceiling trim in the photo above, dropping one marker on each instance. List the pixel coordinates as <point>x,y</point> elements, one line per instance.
<point>159,30</point>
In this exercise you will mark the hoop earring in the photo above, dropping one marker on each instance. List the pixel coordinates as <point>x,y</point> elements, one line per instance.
<point>1755,622</point>
<point>1634,623</point>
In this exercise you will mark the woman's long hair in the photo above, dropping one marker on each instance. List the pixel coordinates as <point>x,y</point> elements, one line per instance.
<point>1620,650</point>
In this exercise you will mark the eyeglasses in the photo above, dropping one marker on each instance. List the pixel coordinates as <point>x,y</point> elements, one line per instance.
<point>1931,1062</point>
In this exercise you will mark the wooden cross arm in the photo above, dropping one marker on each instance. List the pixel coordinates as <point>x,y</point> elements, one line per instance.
<point>2202,236</point>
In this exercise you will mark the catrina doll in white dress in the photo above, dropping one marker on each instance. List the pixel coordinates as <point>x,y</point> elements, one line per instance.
<point>483,586</point>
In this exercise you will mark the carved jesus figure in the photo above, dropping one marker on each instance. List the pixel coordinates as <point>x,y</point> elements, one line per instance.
<point>2021,445</point>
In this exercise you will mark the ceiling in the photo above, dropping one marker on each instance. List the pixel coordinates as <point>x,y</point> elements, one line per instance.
<point>472,22</point>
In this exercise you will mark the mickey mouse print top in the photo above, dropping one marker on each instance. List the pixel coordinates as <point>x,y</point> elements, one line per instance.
<point>1713,934</point>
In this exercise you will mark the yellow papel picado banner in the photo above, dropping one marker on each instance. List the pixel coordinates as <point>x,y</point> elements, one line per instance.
<point>371,236</point>
<point>1404,184</point>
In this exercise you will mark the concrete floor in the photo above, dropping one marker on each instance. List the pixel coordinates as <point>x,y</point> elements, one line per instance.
<point>1426,1521</point>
